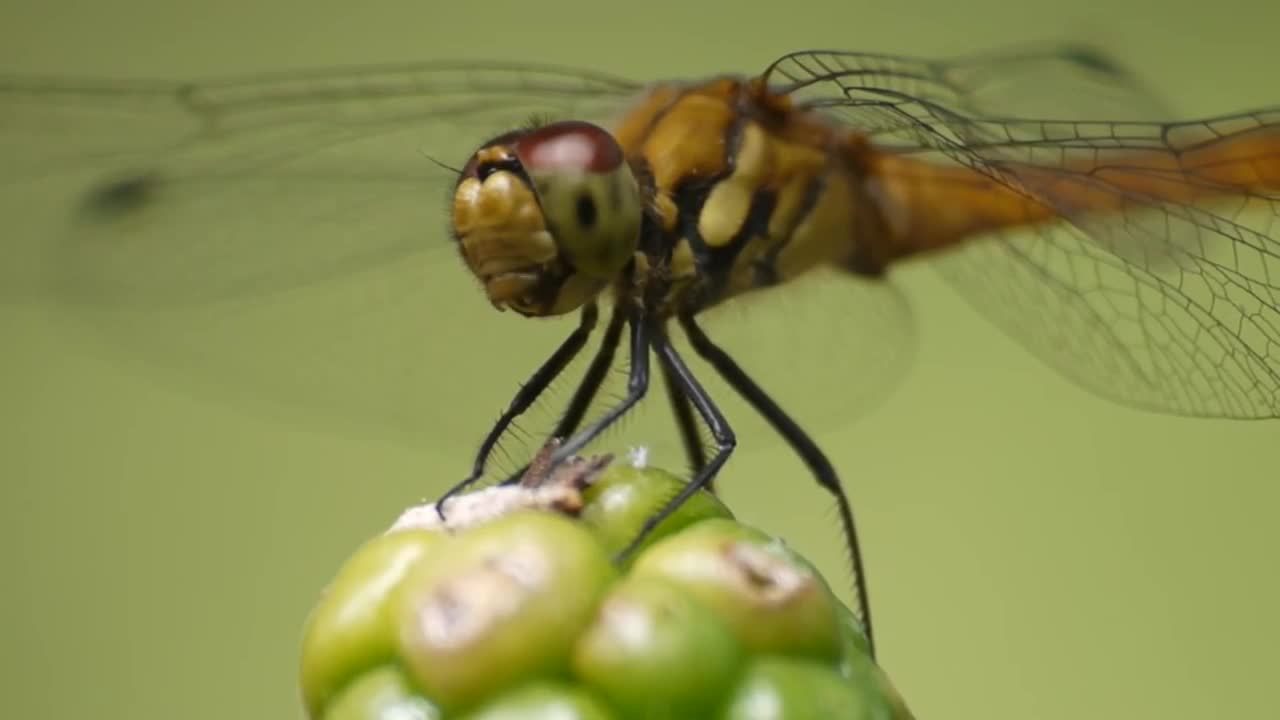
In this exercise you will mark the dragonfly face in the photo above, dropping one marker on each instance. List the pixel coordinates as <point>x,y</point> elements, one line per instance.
<point>547,217</point>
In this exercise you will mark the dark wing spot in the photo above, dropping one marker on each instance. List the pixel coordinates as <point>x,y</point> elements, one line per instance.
<point>586,211</point>
<point>1093,59</point>
<point>120,197</point>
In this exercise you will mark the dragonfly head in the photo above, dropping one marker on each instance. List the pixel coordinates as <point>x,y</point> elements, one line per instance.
<point>547,217</point>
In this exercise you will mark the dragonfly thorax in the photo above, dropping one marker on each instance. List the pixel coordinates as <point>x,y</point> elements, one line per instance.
<point>547,217</point>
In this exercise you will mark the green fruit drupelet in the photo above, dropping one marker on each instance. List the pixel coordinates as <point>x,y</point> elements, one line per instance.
<point>522,614</point>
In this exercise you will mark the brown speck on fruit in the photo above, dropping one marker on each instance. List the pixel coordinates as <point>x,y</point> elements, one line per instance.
<point>468,607</point>
<point>771,580</point>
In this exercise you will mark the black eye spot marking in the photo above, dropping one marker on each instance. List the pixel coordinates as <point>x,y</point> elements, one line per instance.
<point>586,211</point>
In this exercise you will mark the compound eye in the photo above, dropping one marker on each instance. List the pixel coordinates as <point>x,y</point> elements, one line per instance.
<point>588,195</point>
<point>571,146</point>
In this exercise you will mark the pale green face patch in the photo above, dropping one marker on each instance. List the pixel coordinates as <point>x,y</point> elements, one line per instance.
<point>595,217</point>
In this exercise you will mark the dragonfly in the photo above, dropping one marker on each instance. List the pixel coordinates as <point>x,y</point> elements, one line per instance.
<point>1137,255</point>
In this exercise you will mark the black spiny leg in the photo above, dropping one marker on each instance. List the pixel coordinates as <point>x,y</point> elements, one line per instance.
<point>799,441</point>
<point>594,377</point>
<point>588,387</point>
<point>637,385</point>
<point>525,396</point>
<point>683,411</point>
<point>719,427</point>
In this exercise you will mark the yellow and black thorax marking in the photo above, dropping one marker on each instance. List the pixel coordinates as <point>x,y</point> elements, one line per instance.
<point>747,191</point>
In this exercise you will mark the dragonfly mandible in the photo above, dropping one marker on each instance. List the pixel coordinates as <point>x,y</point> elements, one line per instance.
<point>1139,256</point>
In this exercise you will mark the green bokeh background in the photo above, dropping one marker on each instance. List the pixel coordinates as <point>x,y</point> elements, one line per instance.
<point>1036,552</point>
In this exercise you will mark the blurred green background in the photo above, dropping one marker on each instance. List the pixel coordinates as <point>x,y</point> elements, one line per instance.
<point>1035,552</point>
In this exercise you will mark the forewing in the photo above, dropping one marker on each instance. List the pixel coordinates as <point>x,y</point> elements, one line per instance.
<point>1159,287</point>
<point>282,240</point>
<point>218,188</point>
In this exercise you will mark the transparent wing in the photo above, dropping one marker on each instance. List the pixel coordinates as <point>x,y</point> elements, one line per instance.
<point>333,167</point>
<point>829,348</point>
<point>1159,283</point>
<point>280,241</point>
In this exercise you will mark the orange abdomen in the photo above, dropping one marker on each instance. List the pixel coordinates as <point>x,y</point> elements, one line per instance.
<point>928,206</point>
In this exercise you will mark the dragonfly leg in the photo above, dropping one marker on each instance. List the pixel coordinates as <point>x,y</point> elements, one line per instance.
<point>799,441</point>
<point>683,411</point>
<point>587,388</point>
<point>590,385</point>
<point>688,386</point>
<point>528,392</point>
<point>593,379</point>
<point>637,385</point>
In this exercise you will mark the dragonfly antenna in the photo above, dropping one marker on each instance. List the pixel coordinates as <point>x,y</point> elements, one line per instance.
<point>450,168</point>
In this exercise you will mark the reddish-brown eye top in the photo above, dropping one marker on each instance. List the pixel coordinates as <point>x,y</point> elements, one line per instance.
<point>569,145</point>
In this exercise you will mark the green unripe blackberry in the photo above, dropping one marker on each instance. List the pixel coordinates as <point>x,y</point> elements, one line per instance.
<point>514,607</point>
